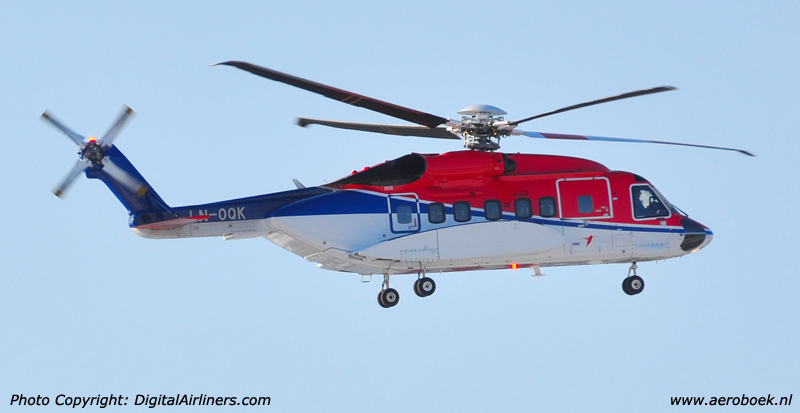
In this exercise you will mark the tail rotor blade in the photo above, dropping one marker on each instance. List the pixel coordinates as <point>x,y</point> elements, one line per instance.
<point>544,135</point>
<point>79,167</point>
<point>109,137</point>
<point>78,139</point>
<point>125,179</point>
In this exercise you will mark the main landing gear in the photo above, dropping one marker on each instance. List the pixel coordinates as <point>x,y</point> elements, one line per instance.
<point>424,286</point>
<point>389,297</point>
<point>633,284</point>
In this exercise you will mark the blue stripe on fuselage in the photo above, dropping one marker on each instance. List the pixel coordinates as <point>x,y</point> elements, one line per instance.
<point>348,202</point>
<point>336,203</point>
<point>255,207</point>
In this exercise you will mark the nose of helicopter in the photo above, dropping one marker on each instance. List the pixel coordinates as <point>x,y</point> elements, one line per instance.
<point>696,235</point>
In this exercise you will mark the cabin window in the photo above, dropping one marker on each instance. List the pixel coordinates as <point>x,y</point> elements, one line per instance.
<point>523,208</point>
<point>646,203</point>
<point>547,207</point>
<point>462,211</point>
<point>404,214</point>
<point>493,210</point>
<point>585,204</point>
<point>436,213</point>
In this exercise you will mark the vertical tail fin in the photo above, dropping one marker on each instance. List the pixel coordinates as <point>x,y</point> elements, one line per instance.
<point>100,159</point>
<point>144,204</point>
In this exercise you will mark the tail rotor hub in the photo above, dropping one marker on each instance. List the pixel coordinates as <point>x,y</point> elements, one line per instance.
<point>94,152</point>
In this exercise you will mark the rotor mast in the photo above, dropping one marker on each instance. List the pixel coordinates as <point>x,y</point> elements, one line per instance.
<point>481,127</point>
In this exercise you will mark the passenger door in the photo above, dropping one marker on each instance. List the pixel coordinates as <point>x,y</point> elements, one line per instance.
<point>404,213</point>
<point>584,198</point>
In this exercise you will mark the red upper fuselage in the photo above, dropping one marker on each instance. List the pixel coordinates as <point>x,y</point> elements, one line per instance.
<point>477,177</point>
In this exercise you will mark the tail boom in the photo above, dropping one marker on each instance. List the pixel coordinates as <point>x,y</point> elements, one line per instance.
<point>234,219</point>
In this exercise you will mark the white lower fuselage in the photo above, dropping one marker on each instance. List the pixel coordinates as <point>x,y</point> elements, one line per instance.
<point>374,243</point>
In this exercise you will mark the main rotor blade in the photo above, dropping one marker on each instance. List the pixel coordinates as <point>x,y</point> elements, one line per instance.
<point>598,101</point>
<point>79,167</point>
<point>402,130</point>
<point>125,179</point>
<point>543,135</point>
<point>109,137</point>
<point>78,139</point>
<point>400,112</point>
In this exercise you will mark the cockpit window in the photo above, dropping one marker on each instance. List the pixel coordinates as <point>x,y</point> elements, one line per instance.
<point>646,204</point>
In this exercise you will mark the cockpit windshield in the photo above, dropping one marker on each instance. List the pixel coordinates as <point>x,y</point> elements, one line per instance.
<point>647,203</point>
<point>675,209</point>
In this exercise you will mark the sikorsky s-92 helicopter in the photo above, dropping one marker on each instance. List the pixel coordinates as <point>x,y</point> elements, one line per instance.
<point>476,209</point>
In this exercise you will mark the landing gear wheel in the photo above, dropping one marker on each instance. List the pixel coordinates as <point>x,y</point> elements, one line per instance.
<point>633,285</point>
<point>388,298</point>
<point>380,300</point>
<point>424,287</point>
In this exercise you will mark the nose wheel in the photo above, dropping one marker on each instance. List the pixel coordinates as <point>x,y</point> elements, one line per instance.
<point>633,284</point>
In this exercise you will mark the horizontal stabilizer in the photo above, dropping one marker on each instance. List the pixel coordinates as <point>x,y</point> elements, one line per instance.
<point>173,223</point>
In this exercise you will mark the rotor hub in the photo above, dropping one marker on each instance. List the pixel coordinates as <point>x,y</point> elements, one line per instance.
<point>94,152</point>
<point>478,127</point>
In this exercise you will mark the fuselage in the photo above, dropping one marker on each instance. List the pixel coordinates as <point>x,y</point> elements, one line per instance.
<point>456,211</point>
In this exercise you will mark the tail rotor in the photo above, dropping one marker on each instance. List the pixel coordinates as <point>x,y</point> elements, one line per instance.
<point>93,154</point>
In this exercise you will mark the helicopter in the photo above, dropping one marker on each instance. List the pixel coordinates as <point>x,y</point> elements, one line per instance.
<point>466,210</point>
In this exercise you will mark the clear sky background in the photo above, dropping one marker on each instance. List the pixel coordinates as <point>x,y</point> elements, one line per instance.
<point>90,308</point>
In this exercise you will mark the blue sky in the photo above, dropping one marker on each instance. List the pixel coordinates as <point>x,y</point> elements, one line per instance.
<point>90,308</point>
